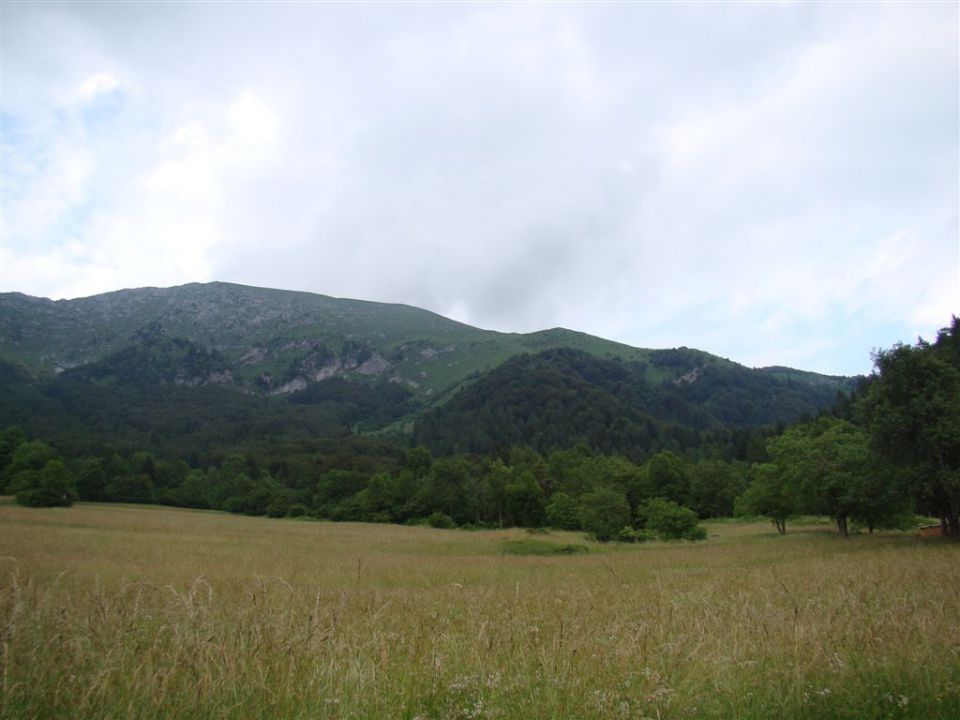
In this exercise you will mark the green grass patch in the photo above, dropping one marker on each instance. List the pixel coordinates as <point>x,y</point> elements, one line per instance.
<point>541,547</point>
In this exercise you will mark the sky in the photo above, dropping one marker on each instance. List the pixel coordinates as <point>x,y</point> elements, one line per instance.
<point>777,183</point>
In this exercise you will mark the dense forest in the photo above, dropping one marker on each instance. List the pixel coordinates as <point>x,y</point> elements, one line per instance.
<point>561,439</point>
<point>559,398</point>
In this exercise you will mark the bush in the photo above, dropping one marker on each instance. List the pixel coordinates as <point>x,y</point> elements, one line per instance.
<point>631,535</point>
<point>52,486</point>
<point>441,520</point>
<point>278,507</point>
<point>671,521</point>
<point>297,510</point>
<point>603,513</point>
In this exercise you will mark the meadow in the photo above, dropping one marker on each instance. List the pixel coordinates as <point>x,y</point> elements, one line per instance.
<point>114,611</point>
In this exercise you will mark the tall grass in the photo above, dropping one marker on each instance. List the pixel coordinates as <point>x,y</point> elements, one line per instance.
<point>113,612</point>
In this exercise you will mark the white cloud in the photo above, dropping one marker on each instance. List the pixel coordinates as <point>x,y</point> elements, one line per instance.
<point>162,223</point>
<point>96,85</point>
<point>723,177</point>
<point>253,124</point>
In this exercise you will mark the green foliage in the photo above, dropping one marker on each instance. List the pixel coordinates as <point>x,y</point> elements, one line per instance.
<point>829,461</point>
<point>562,397</point>
<point>770,494</point>
<point>193,491</point>
<point>714,487</point>
<point>10,439</point>
<point>440,520</point>
<point>36,474</point>
<point>27,456</point>
<point>279,507</point>
<point>92,479</point>
<point>372,405</point>
<point>562,512</point>
<point>667,477</point>
<point>629,534</point>
<point>418,461</point>
<point>604,513</point>
<point>51,486</point>
<point>670,521</point>
<point>156,358</point>
<point>541,547</point>
<point>297,510</point>
<point>912,411</point>
<point>445,489</point>
<point>131,488</point>
<point>525,501</point>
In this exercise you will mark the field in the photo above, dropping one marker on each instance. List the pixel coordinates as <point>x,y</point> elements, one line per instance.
<point>142,612</point>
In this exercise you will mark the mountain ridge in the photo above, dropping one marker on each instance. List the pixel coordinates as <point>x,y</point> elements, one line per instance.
<point>201,369</point>
<point>279,341</point>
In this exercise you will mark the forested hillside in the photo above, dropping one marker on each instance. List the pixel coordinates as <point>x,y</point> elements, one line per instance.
<point>560,398</point>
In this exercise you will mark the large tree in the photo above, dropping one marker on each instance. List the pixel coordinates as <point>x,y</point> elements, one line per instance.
<point>828,460</point>
<point>912,410</point>
<point>770,494</point>
<point>604,513</point>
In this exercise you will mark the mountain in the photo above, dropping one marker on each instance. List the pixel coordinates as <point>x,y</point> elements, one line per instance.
<point>265,341</point>
<point>204,368</point>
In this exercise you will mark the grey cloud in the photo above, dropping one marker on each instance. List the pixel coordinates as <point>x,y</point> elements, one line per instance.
<point>660,174</point>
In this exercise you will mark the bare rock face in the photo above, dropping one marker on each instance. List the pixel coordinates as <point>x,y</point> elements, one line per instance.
<point>432,353</point>
<point>690,377</point>
<point>254,356</point>
<point>292,386</point>
<point>215,377</point>
<point>223,377</point>
<point>376,365</point>
<point>332,368</point>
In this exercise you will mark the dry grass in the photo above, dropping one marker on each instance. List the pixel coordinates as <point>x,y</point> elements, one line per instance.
<point>112,611</point>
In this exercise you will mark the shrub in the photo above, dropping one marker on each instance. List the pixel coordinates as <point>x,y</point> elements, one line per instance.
<point>603,513</point>
<point>297,510</point>
<point>278,507</point>
<point>671,521</point>
<point>441,520</point>
<point>631,535</point>
<point>50,487</point>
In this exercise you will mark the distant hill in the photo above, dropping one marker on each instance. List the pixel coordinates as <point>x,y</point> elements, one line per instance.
<point>206,364</point>
<point>563,397</point>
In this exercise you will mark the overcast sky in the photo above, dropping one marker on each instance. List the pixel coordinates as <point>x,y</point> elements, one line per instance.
<point>776,183</point>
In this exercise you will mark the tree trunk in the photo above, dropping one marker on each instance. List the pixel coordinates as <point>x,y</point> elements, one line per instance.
<point>842,525</point>
<point>953,527</point>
